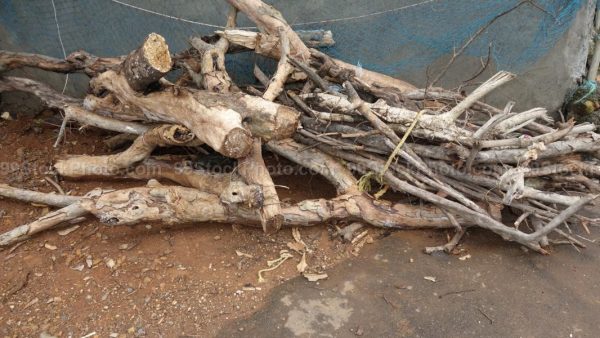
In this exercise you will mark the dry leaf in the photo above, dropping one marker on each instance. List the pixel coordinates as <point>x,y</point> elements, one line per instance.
<point>465,257</point>
<point>128,246</point>
<point>6,116</point>
<point>68,230</point>
<point>360,236</point>
<point>296,235</point>
<point>31,303</point>
<point>274,264</point>
<point>313,277</point>
<point>50,247</point>
<point>302,265</point>
<point>295,246</point>
<point>298,239</point>
<point>243,254</point>
<point>110,263</point>
<point>79,267</point>
<point>358,246</point>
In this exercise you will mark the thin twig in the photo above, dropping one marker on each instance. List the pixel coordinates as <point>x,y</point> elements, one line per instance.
<point>55,185</point>
<point>480,31</point>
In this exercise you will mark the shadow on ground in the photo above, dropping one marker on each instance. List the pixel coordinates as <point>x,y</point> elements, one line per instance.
<point>499,291</point>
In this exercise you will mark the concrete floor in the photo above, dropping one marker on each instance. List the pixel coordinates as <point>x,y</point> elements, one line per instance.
<point>499,291</point>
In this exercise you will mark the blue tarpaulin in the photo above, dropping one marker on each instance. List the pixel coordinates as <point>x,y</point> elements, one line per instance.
<point>401,38</point>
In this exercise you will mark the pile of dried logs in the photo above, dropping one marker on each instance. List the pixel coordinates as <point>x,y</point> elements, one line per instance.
<point>453,161</point>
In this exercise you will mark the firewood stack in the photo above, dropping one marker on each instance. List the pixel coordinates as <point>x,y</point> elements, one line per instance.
<point>453,161</point>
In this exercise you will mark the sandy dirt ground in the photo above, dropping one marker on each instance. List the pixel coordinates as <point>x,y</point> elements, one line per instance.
<point>148,279</point>
<point>489,289</point>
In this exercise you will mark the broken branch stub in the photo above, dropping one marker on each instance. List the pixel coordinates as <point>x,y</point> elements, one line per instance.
<point>213,75</point>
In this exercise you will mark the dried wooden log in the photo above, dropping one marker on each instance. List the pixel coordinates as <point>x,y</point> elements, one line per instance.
<point>49,96</point>
<point>214,183</point>
<point>30,196</point>
<point>584,143</point>
<point>265,119</point>
<point>45,222</point>
<point>267,45</point>
<point>147,64</point>
<point>212,122</point>
<point>110,165</point>
<point>429,126</point>
<point>269,20</point>
<point>70,106</point>
<point>216,118</point>
<point>284,69</point>
<point>171,204</point>
<point>330,168</point>
<point>79,61</point>
<point>252,168</point>
<point>213,76</point>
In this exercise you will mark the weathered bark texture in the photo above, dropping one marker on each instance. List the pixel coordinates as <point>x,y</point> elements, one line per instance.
<point>78,61</point>
<point>171,205</point>
<point>118,164</point>
<point>213,75</point>
<point>212,122</point>
<point>252,168</point>
<point>284,69</point>
<point>269,20</point>
<point>45,222</point>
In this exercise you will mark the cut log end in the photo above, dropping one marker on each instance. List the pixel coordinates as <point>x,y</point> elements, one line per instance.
<point>148,63</point>
<point>273,224</point>
<point>287,120</point>
<point>237,143</point>
<point>156,52</point>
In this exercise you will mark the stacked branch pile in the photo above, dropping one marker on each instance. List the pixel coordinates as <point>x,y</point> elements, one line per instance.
<point>453,161</point>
